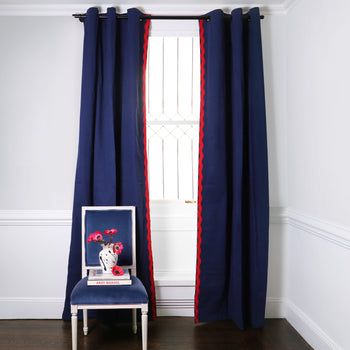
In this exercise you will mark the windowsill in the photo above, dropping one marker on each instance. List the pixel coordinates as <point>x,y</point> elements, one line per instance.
<point>172,201</point>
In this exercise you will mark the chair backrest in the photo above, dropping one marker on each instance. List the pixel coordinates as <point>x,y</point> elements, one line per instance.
<point>100,219</point>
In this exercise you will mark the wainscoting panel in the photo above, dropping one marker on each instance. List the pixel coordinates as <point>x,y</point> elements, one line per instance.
<point>33,262</point>
<point>31,307</point>
<point>318,283</point>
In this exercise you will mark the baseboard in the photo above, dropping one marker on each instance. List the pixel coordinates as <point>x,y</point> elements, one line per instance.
<point>302,323</point>
<point>275,308</point>
<point>308,329</point>
<point>51,308</point>
<point>182,303</point>
<point>176,300</point>
<point>175,307</point>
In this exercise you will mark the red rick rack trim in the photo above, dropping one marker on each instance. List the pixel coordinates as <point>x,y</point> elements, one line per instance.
<point>153,292</point>
<point>200,172</point>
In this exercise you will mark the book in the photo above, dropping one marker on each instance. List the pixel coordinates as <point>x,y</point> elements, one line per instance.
<point>98,278</point>
<point>99,275</point>
<point>109,282</point>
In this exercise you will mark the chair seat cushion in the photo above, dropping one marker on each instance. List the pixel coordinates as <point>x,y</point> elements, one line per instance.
<point>83,294</point>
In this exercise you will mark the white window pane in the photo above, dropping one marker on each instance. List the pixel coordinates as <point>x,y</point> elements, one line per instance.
<point>195,153</point>
<point>185,77</point>
<point>196,77</point>
<point>155,78</point>
<point>172,92</point>
<point>170,167</point>
<point>170,77</point>
<point>185,168</point>
<point>155,167</point>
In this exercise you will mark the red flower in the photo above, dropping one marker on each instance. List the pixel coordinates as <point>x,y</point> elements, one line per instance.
<point>97,236</point>
<point>112,231</point>
<point>117,248</point>
<point>117,271</point>
<point>91,237</point>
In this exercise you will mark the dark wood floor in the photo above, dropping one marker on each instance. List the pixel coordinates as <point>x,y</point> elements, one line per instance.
<point>167,333</point>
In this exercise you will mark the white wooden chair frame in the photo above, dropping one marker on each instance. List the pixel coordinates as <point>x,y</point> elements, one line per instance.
<point>134,307</point>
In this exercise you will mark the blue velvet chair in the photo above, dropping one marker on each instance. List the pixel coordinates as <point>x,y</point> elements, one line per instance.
<point>132,296</point>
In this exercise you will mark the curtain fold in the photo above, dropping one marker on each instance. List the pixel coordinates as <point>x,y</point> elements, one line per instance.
<point>233,199</point>
<point>112,159</point>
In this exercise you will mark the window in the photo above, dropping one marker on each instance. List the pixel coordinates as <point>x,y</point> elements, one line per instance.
<point>172,105</point>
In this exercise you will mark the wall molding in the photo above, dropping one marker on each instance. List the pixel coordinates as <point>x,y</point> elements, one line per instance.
<point>35,217</point>
<point>278,215</point>
<point>328,231</point>
<point>323,229</point>
<point>78,7</point>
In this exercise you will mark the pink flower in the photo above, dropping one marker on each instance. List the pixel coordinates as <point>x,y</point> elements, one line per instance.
<point>117,271</point>
<point>112,231</point>
<point>97,236</point>
<point>117,248</point>
<point>91,237</point>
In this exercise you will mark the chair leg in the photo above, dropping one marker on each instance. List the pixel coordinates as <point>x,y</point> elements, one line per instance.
<point>85,321</point>
<point>134,321</point>
<point>144,323</point>
<point>74,330</point>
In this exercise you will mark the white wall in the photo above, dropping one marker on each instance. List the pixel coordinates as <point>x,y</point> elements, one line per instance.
<point>274,56</point>
<point>40,74</point>
<point>40,64</point>
<point>318,260</point>
<point>318,99</point>
<point>275,74</point>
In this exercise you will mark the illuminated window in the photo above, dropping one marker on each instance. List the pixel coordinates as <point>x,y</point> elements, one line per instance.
<point>172,105</point>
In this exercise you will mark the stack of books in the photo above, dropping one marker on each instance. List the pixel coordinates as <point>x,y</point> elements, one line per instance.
<point>98,278</point>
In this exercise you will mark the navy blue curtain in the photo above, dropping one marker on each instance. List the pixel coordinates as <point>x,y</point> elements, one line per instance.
<point>112,161</point>
<point>233,199</point>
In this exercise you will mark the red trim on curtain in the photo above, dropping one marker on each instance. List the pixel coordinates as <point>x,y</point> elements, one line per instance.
<point>145,47</point>
<point>200,169</point>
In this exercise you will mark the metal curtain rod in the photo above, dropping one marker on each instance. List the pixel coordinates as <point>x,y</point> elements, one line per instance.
<point>82,16</point>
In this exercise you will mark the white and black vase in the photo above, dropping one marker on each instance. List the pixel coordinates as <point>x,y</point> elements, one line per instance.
<point>108,259</point>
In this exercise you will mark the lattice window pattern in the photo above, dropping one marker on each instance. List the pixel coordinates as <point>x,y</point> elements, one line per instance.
<point>172,107</point>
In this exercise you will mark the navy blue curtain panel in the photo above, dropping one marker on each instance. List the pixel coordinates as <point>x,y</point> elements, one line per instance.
<point>112,159</point>
<point>233,199</point>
